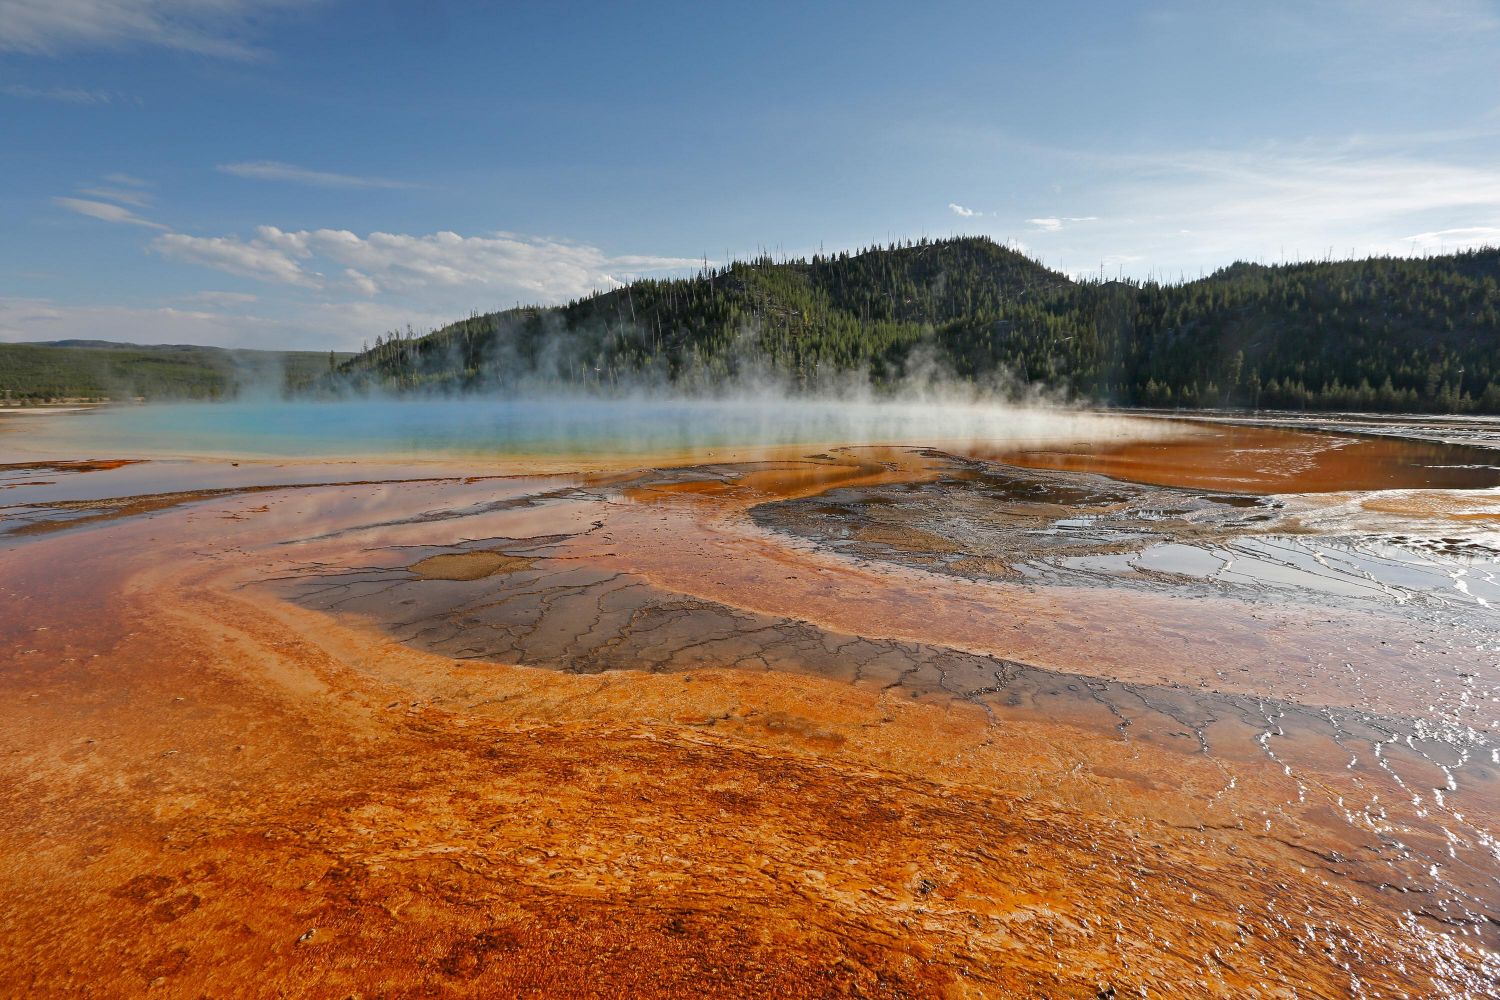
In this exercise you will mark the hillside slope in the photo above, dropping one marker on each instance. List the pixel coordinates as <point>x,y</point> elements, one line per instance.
<point>806,319</point>
<point>1376,334</point>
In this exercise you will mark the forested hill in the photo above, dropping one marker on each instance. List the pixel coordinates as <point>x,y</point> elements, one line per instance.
<point>1382,333</point>
<point>809,319</point>
<point>101,370</point>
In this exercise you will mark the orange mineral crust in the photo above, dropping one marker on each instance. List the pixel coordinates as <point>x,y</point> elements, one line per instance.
<point>1273,460</point>
<point>601,736</point>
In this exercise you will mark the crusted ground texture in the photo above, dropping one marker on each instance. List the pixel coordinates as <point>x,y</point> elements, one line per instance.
<point>841,722</point>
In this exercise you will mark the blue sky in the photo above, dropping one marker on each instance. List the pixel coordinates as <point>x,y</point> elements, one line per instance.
<point>311,173</point>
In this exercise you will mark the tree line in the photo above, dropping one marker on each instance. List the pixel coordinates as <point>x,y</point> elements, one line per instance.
<point>1384,333</point>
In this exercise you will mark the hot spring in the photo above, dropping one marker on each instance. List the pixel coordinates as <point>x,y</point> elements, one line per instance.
<point>1016,674</point>
<point>561,426</point>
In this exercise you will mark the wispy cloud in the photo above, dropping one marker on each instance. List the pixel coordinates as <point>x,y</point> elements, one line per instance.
<point>967,213</point>
<point>138,198</point>
<point>121,189</point>
<point>1312,201</point>
<point>505,264</point>
<point>222,28</point>
<point>361,282</point>
<point>1461,19</point>
<point>1051,224</point>
<point>262,259</point>
<point>222,299</point>
<point>105,212</point>
<point>1180,212</point>
<point>66,95</point>
<point>270,170</point>
<point>1448,240</point>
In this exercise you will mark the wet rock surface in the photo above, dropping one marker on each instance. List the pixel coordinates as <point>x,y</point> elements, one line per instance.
<point>983,520</point>
<point>986,520</point>
<point>1340,765</point>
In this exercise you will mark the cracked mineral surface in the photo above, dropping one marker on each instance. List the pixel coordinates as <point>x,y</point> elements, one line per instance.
<point>1214,716</point>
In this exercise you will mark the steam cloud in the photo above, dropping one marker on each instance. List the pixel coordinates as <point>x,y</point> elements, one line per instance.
<point>536,399</point>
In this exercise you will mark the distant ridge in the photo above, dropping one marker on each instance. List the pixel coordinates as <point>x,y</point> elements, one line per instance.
<point>104,370</point>
<point>1383,333</point>
<point>126,345</point>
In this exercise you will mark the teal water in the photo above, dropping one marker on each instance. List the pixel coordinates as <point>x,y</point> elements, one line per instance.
<point>537,427</point>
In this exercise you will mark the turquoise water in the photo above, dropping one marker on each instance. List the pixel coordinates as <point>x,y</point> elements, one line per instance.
<point>553,426</point>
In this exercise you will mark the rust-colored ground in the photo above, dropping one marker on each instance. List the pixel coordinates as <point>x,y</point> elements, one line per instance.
<point>1273,460</point>
<point>232,766</point>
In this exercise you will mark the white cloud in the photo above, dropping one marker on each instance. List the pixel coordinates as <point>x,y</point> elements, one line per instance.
<point>1052,224</point>
<point>505,265</point>
<point>1269,204</point>
<point>351,323</point>
<point>270,170</point>
<point>1449,240</point>
<point>207,27</point>
<point>257,259</point>
<point>340,284</point>
<point>105,211</point>
<point>363,283</point>
<point>1173,214</point>
<point>126,179</point>
<point>1322,189</point>
<point>967,213</point>
<point>66,95</point>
